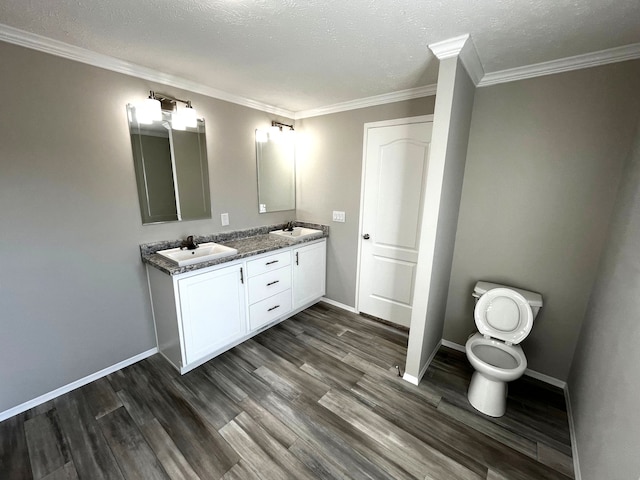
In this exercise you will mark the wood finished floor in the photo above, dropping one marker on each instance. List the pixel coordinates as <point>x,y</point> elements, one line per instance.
<point>317,396</point>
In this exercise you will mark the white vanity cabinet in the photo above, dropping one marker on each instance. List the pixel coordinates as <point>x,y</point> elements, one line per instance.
<point>200,314</point>
<point>309,273</point>
<point>212,311</point>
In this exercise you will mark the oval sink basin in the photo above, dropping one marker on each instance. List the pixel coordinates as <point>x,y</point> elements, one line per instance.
<point>298,232</point>
<point>204,253</point>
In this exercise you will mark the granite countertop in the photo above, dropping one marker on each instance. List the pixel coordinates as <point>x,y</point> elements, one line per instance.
<point>249,242</point>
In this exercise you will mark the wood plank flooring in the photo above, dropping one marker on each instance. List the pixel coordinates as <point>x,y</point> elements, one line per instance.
<point>317,396</point>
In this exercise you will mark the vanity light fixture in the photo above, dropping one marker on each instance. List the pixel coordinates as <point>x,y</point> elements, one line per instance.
<point>181,117</point>
<point>276,133</point>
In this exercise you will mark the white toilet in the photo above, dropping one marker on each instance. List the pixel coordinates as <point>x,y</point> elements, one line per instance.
<point>504,317</point>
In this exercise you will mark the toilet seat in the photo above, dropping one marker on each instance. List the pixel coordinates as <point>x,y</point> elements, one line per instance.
<point>495,358</point>
<point>504,314</point>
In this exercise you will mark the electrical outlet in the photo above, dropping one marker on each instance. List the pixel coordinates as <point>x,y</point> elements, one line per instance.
<point>338,216</point>
<point>224,219</point>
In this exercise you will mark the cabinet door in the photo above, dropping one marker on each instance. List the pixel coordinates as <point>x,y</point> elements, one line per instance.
<point>309,267</point>
<point>213,311</point>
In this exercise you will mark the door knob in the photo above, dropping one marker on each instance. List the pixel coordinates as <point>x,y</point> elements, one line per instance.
<point>366,236</point>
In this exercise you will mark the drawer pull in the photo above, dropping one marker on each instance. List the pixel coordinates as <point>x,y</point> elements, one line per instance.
<point>273,308</point>
<point>271,262</point>
<point>272,283</point>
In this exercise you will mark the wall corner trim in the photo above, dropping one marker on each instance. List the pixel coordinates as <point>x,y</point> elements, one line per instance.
<point>77,384</point>
<point>572,433</point>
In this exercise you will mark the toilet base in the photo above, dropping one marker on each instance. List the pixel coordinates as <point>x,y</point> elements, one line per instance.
<point>487,396</point>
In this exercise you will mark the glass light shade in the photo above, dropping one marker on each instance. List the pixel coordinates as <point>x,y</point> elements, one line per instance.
<point>177,121</point>
<point>190,117</point>
<point>148,111</point>
<point>275,134</point>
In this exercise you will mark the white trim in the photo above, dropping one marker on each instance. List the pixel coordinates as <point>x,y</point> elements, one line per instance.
<point>400,95</point>
<point>410,378</point>
<point>471,62</point>
<point>423,370</point>
<point>572,433</point>
<point>528,372</point>
<point>73,385</point>
<point>546,378</point>
<point>587,60</point>
<point>445,49</point>
<point>454,346</point>
<point>449,48</point>
<point>365,137</point>
<point>71,52</point>
<point>339,305</point>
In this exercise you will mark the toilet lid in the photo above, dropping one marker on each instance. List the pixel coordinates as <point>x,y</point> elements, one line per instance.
<point>504,314</point>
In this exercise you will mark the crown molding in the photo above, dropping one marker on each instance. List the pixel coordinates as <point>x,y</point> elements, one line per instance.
<point>587,60</point>
<point>463,48</point>
<point>471,61</point>
<point>450,47</point>
<point>61,49</point>
<point>400,95</point>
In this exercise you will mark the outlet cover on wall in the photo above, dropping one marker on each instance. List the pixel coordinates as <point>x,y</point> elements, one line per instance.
<point>338,216</point>
<point>224,219</point>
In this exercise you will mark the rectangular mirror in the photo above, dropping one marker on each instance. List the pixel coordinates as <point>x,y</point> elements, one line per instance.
<point>275,156</point>
<point>172,171</point>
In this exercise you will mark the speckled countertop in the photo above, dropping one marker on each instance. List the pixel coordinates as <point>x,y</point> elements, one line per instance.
<point>249,242</point>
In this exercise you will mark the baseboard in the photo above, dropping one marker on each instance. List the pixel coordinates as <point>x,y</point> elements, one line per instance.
<point>423,370</point>
<point>528,372</point>
<point>410,379</point>
<point>572,433</point>
<point>338,304</point>
<point>73,385</point>
<point>455,346</point>
<point>545,378</point>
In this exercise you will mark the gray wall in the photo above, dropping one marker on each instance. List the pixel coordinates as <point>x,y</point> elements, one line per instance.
<point>73,291</point>
<point>604,383</point>
<point>329,174</point>
<point>543,168</point>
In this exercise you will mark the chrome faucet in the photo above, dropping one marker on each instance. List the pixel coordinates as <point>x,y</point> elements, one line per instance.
<point>189,244</point>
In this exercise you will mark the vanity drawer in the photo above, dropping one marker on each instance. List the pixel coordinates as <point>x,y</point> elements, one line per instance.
<point>269,263</point>
<point>268,284</point>
<point>267,310</point>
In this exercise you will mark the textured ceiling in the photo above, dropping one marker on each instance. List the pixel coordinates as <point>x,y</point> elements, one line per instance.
<point>303,54</point>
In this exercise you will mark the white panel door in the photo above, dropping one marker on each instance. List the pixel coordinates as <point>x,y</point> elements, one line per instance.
<point>212,307</point>
<point>394,177</point>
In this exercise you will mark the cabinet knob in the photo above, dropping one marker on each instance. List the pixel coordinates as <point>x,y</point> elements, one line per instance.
<point>366,236</point>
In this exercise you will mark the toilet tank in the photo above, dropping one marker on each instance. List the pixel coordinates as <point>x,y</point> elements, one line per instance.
<point>534,299</point>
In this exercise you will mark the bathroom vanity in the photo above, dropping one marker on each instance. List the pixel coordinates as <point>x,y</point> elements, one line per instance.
<point>202,310</point>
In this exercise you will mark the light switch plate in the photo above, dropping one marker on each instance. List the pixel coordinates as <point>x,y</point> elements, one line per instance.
<point>224,219</point>
<point>338,216</point>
